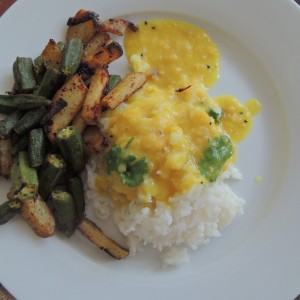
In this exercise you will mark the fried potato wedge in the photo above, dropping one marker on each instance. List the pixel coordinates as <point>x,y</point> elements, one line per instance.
<point>92,104</point>
<point>79,123</point>
<point>117,26</point>
<point>96,236</point>
<point>105,55</point>
<point>5,157</point>
<point>39,217</point>
<point>82,16</point>
<point>84,31</point>
<point>124,89</point>
<point>96,43</point>
<point>94,141</point>
<point>71,98</point>
<point>83,25</point>
<point>52,55</point>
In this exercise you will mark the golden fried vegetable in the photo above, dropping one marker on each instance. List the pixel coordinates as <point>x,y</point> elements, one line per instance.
<point>92,104</point>
<point>39,217</point>
<point>96,43</point>
<point>105,55</point>
<point>84,31</point>
<point>96,236</point>
<point>82,16</point>
<point>94,141</point>
<point>123,90</point>
<point>65,105</point>
<point>52,55</point>
<point>79,123</point>
<point>84,25</point>
<point>117,26</point>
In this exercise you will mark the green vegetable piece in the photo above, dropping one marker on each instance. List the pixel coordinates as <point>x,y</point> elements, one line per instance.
<point>64,211</point>
<point>60,45</point>
<point>134,174</point>
<point>113,81</point>
<point>30,120</point>
<point>22,102</point>
<point>51,82</point>
<point>37,147</point>
<point>50,174</point>
<point>7,125</point>
<point>219,150</point>
<point>75,188</point>
<point>26,179</point>
<point>39,67</point>
<point>69,141</point>
<point>15,174</point>
<point>24,75</point>
<point>71,59</point>
<point>21,144</point>
<point>131,169</point>
<point>9,209</point>
<point>215,115</point>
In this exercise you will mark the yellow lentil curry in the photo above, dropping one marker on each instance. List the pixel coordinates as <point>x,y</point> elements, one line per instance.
<point>172,119</point>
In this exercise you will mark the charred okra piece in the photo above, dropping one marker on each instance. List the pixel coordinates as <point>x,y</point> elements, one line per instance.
<point>64,211</point>
<point>9,209</point>
<point>39,67</point>
<point>30,120</point>
<point>71,56</point>
<point>75,188</point>
<point>21,144</point>
<point>8,124</point>
<point>113,81</point>
<point>50,174</point>
<point>39,217</point>
<point>5,157</point>
<point>51,82</point>
<point>24,75</point>
<point>37,147</point>
<point>69,141</point>
<point>24,177</point>
<point>10,103</point>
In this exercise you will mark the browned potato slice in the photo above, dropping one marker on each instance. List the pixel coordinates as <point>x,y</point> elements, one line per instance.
<point>94,141</point>
<point>39,217</point>
<point>105,55</point>
<point>92,105</point>
<point>79,123</point>
<point>52,55</point>
<point>82,16</point>
<point>96,236</point>
<point>124,89</point>
<point>96,43</point>
<point>5,157</point>
<point>65,105</point>
<point>84,31</point>
<point>117,26</point>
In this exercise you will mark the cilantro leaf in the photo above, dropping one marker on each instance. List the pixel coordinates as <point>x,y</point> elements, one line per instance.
<point>215,115</point>
<point>219,150</point>
<point>134,174</point>
<point>131,170</point>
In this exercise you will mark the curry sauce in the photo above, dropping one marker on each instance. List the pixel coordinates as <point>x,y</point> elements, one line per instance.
<point>172,118</point>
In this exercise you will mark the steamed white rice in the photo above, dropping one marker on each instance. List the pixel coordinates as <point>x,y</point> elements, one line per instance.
<point>189,222</point>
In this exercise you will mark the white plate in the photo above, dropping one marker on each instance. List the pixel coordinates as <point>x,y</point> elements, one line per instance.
<point>257,257</point>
